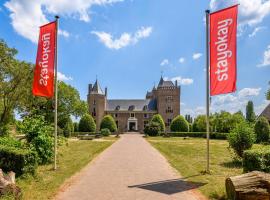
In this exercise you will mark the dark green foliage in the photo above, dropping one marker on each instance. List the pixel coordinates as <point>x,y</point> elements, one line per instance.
<point>179,124</point>
<point>10,142</point>
<point>105,132</point>
<point>158,119</point>
<point>250,114</point>
<point>221,136</point>
<point>257,159</point>
<point>262,130</point>
<point>189,119</point>
<point>76,127</point>
<point>87,124</point>
<point>241,138</point>
<point>152,129</point>
<point>109,123</point>
<point>19,160</point>
<point>39,136</point>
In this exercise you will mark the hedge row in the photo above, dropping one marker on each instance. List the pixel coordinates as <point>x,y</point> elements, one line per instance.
<point>221,136</point>
<point>257,159</point>
<point>18,160</point>
<point>75,134</point>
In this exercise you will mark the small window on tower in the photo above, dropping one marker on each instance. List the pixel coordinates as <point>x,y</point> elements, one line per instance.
<point>94,102</point>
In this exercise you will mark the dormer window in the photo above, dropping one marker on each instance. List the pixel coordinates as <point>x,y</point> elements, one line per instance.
<point>145,107</point>
<point>132,107</point>
<point>117,107</point>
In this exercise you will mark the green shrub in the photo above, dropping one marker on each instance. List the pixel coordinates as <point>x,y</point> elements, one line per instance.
<point>158,119</point>
<point>199,124</point>
<point>257,159</point>
<point>109,123</point>
<point>10,142</point>
<point>39,136</point>
<point>152,129</point>
<point>220,136</point>
<point>262,130</point>
<point>105,132</point>
<point>179,124</point>
<point>241,138</point>
<point>20,161</point>
<point>87,124</point>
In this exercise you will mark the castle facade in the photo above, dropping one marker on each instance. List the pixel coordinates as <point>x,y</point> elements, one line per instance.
<point>134,114</point>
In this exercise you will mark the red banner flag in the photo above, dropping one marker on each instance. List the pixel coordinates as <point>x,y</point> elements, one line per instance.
<point>223,29</point>
<point>43,84</point>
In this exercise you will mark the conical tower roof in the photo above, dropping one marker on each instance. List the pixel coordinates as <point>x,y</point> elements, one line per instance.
<point>96,88</point>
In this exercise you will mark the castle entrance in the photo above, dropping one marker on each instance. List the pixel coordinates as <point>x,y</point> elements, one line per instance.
<point>132,124</point>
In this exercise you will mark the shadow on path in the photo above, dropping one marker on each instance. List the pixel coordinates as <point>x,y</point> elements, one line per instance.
<point>169,186</point>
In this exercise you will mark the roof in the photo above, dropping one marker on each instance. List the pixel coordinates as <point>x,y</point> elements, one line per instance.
<point>266,112</point>
<point>96,88</point>
<point>131,104</point>
<point>163,83</point>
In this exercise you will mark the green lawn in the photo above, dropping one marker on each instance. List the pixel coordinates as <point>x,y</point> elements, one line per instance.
<point>189,158</point>
<point>72,158</point>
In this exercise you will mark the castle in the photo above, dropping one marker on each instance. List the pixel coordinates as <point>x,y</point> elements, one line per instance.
<point>135,114</point>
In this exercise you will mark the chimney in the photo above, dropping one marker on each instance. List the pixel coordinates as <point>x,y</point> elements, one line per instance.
<point>89,88</point>
<point>106,91</point>
<point>176,83</point>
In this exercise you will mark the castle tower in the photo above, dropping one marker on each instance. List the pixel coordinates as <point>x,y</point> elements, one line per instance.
<point>96,102</point>
<point>167,95</point>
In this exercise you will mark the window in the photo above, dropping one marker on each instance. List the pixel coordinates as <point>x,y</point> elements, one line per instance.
<point>145,123</point>
<point>169,121</point>
<point>115,115</point>
<point>145,115</point>
<point>94,102</point>
<point>169,99</point>
<point>116,123</point>
<point>169,109</point>
<point>94,112</point>
<point>132,114</point>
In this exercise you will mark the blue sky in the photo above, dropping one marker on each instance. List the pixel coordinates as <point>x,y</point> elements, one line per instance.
<point>127,44</point>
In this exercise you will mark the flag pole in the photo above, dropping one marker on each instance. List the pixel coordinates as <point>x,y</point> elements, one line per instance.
<point>207,13</point>
<point>55,96</point>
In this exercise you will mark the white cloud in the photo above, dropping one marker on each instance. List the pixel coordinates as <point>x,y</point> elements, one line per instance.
<point>266,58</point>
<point>196,56</point>
<point>164,62</point>
<point>256,30</point>
<point>247,92</point>
<point>181,60</point>
<point>182,81</point>
<point>124,40</point>
<point>26,16</point>
<point>63,33</point>
<point>63,77</point>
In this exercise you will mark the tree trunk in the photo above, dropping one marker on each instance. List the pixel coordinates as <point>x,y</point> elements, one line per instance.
<point>250,186</point>
<point>8,186</point>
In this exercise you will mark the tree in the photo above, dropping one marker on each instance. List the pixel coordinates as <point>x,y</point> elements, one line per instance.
<point>179,124</point>
<point>76,127</point>
<point>87,124</point>
<point>15,79</point>
<point>109,123</point>
<point>189,119</point>
<point>158,119</point>
<point>268,93</point>
<point>241,138</point>
<point>262,130</point>
<point>250,115</point>
<point>199,124</point>
<point>152,129</point>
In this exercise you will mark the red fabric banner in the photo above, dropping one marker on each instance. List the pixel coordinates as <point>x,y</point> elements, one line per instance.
<point>223,30</point>
<point>43,84</point>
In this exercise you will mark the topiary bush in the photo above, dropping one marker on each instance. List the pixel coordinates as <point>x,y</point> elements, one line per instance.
<point>87,124</point>
<point>109,123</point>
<point>262,130</point>
<point>257,159</point>
<point>18,160</point>
<point>158,119</point>
<point>241,138</point>
<point>105,132</point>
<point>152,129</point>
<point>179,124</point>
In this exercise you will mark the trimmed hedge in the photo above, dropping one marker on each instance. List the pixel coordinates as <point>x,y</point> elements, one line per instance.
<point>109,123</point>
<point>257,159</point>
<point>87,124</point>
<point>75,134</point>
<point>20,161</point>
<point>105,132</point>
<point>179,124</point>
<point>220,136</point>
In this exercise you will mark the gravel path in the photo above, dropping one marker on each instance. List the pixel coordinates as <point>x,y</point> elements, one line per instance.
<point>131,169</point>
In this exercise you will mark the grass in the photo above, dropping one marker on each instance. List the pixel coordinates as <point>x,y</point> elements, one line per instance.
<point>72,158</point>
<point>189,158</point>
